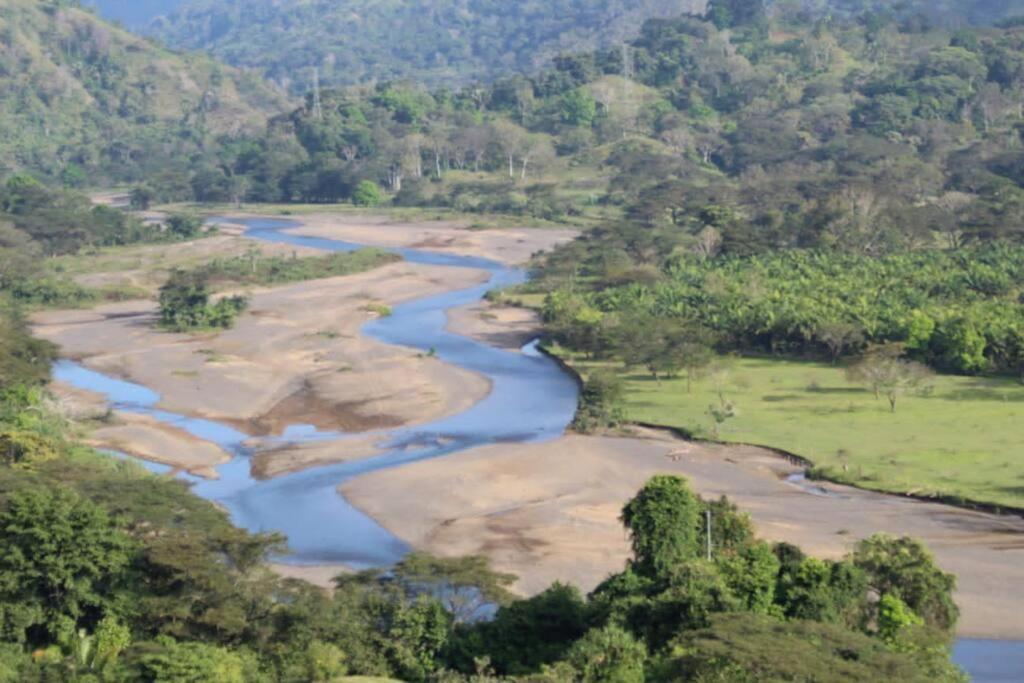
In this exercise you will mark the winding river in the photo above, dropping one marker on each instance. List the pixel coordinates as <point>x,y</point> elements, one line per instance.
<point>532,399</point>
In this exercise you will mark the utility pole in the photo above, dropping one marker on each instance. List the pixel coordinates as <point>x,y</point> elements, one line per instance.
<point>707,516</point>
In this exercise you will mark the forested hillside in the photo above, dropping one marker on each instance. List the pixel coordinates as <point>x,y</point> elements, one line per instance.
<point>446,42</point>
<point>83,100</point>
<point>784,185</point>
<point>135,14</point>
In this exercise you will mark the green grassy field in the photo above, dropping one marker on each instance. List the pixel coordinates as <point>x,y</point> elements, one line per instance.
<point>963,437</point>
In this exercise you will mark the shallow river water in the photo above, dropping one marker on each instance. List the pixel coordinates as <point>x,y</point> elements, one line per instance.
<point>532,399</point>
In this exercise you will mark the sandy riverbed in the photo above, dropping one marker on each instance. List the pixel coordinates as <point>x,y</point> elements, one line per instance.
<point>295,357</point>
<point>513,246</point>
<point>550,512</point>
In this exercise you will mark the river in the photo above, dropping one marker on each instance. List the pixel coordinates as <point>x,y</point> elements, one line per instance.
<point>532,399</point>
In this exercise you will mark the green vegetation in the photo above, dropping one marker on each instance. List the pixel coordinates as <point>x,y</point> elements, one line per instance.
<point>109,573</point>
<point>82,101</point>
<point>446,43</point>
<point>256,268</point>
<point>185,304</point>
<point>952,437</point>
<point>38,222</point>
<point>956,311</point>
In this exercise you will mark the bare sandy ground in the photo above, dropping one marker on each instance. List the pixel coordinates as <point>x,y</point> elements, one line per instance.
<point>504,327</point>
<point>296,357</point>
<point>509,245</point>
<point>138,435</point>
<point>550,512</point>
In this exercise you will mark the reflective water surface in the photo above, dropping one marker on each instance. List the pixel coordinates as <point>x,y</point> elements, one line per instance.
<point>532,400</point>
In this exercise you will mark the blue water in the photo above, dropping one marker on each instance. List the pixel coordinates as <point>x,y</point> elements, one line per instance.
<point>532,400</point>
<point>320,524</point>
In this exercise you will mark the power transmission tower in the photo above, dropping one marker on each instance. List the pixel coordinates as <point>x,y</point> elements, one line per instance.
<point>628,99</point>
<point>318,110</point>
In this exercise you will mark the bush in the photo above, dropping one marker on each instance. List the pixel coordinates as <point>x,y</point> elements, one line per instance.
<point>367,194</point>
<point>185,304</point>
<point>602,403</point>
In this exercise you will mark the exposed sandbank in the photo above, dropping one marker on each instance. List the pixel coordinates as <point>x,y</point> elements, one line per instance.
<point>295,357</point>
<point>513,246</point>
<point>550,512</point>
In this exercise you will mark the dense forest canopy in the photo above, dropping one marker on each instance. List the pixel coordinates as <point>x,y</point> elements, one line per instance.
<point>706,144</point>
<point>453,42</point>
<point>81,100</point>
<point>446,42</point>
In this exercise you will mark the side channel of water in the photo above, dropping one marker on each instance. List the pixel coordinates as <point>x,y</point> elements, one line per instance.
<point>532,399</point>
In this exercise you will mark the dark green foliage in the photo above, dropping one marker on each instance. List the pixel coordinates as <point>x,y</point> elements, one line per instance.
<point>24,360</point>
<point>958,312</point>
<point>184,227</point>
<point>904,568</point>
<point>526,634</point>
<point>185,304</point>
<point>749,648</point>
<point>59,569</point>
<point>662,521</point>
<point>608,655</point>
<point>601,404</point>
<point>438,43</point>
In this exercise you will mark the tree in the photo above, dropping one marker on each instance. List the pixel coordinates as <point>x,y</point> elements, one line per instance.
<point>888,374</point>
<point>839,337</point>
<point>527,634</point>
<point>904,568</point>
<point>579,108</point>
<point>183,226</point>
<point>367,194</point>
<point>61,566</point>
<point>608,655</point>
<point>662,520</point>
<point>466,586</point>
<point>142,197</point>
<point>185,304</point>
<point>748,648</point>
<point>169,660</point>
<point>511,139</point>
<point>732,13</point>
<point>601,403</point>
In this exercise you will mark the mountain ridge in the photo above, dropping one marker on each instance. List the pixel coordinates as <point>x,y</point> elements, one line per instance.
<point>79,93</point>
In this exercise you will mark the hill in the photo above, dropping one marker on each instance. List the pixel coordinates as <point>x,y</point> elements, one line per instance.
<point>135,14</point>
<point>83,98</point>
<point>435,42</point>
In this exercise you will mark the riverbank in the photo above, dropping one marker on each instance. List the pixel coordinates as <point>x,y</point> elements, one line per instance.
<point>549,512</point>
<point>511,246</point>
<point>295,358</point>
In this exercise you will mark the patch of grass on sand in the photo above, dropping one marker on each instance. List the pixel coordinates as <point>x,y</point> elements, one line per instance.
<point>378,309</point>
<point>959,438</point>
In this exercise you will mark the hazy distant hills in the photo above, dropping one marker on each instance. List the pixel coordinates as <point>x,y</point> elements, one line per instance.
<point>135,14</point>
<point>437,42</point>
<point>440,42</point>
<point>77,91</point>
